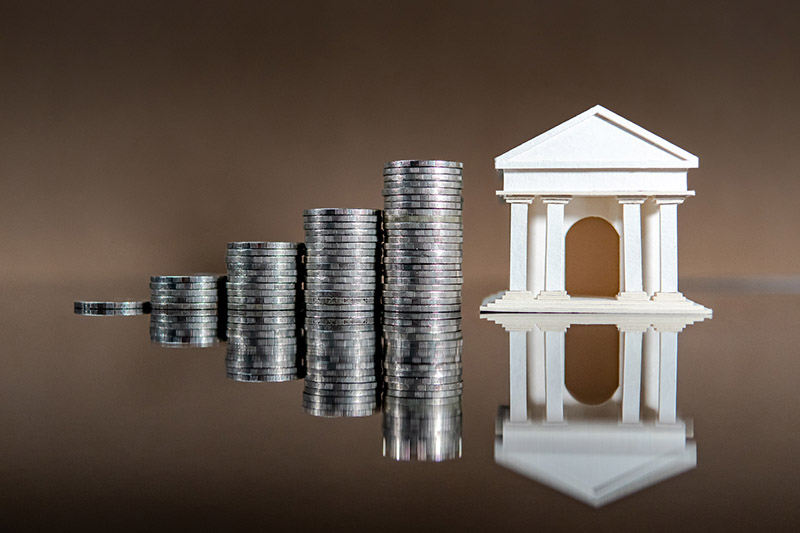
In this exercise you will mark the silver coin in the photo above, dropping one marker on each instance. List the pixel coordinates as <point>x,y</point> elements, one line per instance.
<point>420,314</point>
<point>345,270</point>
<point>443,267</point>
<point>182,293</point>
<point>323,240</point>
<point>417,180</point>
<point>405,367</point>
<point>402,275</point>
<point>186,322</point>
<point>263,286</point>
<point>289,306</point>
<point>327,276</point>
<point>263,275</point>
<point>191,311</point>
<point>447,207</point>
<point>411,171</point>
<point>421,260</point>
<point>350,290</point>
<point>340,211</point>
<point>326,335</point>
<point>264,379</point>
<point>431,218</point>
<point>184,286</point>
<point>261,332</point>
<point>341,224</point>
<point>341,318</point>
<point>315,247</point>
<point>167,300</point>
<point>288,297</point>
<point>438,163</point>
<point>421,226</point>
<point>197,306</point>
<point>235,281</point>
<point>265,253</point>
<point>261,261</point>
<point>316,233</point>
<point>427,293</point>
<point>284,362</point>
<point>248,245</point>
<point>190,278</point>
<point>428,190</point>
<point>417,303</point>
<point>437,252</point>
<point>367,219</point>
<point>313,299</point>
<point>234,293</point>
<point>391,235</point>
<point>366,387</point>
<point>403,240</point>
<point>421,285</point>
<point>419,332</point>
<point>331,259</point>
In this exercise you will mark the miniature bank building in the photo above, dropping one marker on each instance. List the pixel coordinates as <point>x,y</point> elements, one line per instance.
<point>596,164</point>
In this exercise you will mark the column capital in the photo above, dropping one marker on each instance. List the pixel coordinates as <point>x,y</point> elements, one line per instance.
<point>631,199</point>
<point>669,200</point>
<point>516,198</point>
<point>556,199</point>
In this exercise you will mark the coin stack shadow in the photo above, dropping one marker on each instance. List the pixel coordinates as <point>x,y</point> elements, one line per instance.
<point>264,341</point>
<point>423,429</point>
<point>422,281</point>
<point>185,310</point>
<point>342,291</point>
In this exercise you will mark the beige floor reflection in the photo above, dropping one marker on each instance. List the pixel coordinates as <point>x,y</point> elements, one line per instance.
<point>594,453</point>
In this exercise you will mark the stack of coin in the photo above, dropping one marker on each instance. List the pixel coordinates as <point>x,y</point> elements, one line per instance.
<point>422,429</point>
<point>105,308</point>
<point>422,278</point>
<point>341,294</point>
<point>185,310</point>
<point>264,340</point>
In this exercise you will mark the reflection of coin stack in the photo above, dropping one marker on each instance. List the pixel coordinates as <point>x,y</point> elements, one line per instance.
<point>263,303</point>
<point>341,294</point>
<point>185,310</point>
<point>422,429</point>
<point>422,278</point>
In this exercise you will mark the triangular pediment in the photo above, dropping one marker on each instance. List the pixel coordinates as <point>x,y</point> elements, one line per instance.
<point>597,139</point>
<point>597,478</point>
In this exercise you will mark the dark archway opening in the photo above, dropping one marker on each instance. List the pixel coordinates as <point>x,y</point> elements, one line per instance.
<point>592,249</point>
<point>591,362</point>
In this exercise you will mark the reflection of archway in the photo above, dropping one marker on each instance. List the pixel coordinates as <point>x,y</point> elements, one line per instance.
<point>592,251</point>
<point>591,362</point>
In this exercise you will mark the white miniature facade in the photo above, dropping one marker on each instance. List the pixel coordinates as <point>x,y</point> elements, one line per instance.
<point>596,454</point>
<point>596,164</point>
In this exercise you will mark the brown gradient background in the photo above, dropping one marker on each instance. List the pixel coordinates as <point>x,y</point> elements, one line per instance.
<point>137,138</point>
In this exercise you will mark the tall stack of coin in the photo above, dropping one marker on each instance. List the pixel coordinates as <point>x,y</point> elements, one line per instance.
<point>264,341</point>
<point>185,309</point>
<point>343,248</point>
<point>422,278</point>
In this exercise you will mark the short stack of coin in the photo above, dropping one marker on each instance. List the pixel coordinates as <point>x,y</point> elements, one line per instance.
<point>107,308</point>
<point>342,285</point>
<point>422,278</point>
<point>264,341</point>
<point>422,429</point>
<point>185,309</point>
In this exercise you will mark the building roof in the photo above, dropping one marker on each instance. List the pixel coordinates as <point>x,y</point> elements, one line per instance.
<point>597,139</point>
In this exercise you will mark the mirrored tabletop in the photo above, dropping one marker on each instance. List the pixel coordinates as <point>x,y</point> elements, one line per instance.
<point>104,427</point>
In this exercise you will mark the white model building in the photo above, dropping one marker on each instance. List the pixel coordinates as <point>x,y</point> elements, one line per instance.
<point>595,453</point>
<point>596,164</point>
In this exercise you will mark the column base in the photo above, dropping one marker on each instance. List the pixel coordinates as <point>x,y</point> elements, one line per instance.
<point>633,296</point>
<point>553,295</point>
<point>669,297</point>
<point>517,295</point>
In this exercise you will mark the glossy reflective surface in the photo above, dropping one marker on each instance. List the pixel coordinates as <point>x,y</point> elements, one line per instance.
<point>102,427</point>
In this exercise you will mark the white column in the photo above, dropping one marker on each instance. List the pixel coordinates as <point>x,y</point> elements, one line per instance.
<point>631,374</point>
<point>650,369</point>
<point>537,246</point>
<point>650,247</point>
<point>555,255</point>
<point>519,244</point>
<point>668,237</point>
<point>632,248</point>
<point>668,378</point>
<point>554,374</point>
<point>518,375</point>
<point>536,381</point>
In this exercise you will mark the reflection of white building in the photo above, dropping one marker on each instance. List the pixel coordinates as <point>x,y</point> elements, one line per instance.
<point>594,453</point>
<point>596,164</point>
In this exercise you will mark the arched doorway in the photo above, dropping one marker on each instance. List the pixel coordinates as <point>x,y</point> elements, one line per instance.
<point>592,251</point>
<point>591,362</point>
